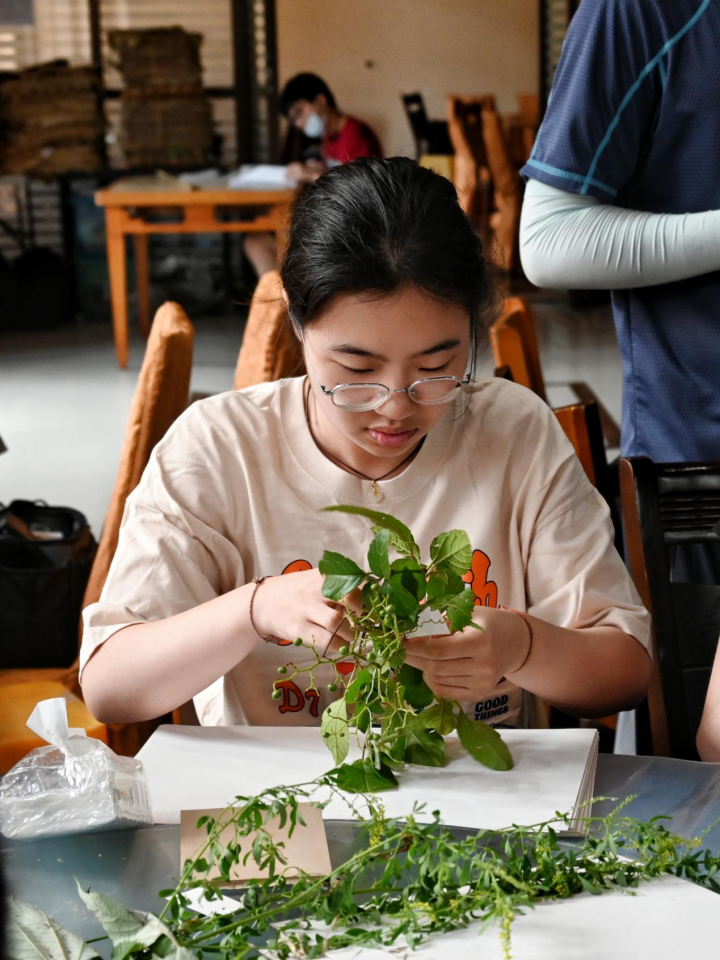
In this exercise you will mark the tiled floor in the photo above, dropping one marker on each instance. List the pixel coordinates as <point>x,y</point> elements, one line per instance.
<point>63,400</point>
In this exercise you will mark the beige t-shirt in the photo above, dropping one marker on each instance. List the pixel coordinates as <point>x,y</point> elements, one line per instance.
<point>235,490</point>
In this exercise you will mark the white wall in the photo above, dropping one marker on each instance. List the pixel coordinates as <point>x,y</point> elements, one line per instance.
<point>435,46</point>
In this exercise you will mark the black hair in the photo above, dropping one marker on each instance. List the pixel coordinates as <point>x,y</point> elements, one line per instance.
<point>376,227</point>
<point>304,86</point>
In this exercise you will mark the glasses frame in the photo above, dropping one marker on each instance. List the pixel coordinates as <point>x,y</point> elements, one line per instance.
<point>386,391</point>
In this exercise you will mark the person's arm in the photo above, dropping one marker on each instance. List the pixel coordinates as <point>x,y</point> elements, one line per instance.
<point>571,241</point>
<point>708,736</point>
<point>147,669</point>
<point>588,672</point>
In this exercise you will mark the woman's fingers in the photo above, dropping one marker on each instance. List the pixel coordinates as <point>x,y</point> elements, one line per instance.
<point>441,669</point>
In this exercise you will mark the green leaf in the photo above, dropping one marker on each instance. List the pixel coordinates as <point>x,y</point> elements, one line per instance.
<point>451,551</point>
<point>410,576</point>
<point>122,924</point>
<point>356,687</point>
<point>413,687</point>
<point>483,743</point>
<point>387,522</point>
<point>441,717</point>
<point>334,729</point>
<point>443,584</point>
<point>459,610</point>
<point>423,746</point>
<point>32,935</point>
<point>406,606</point>
<point>362,777</point>
<point>342,575</point>
<point>378,554</point>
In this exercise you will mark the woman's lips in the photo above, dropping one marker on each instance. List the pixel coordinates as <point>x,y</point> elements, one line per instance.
<point>390,439</point>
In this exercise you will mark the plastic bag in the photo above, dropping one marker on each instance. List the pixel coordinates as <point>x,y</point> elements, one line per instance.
<point>75,785</point>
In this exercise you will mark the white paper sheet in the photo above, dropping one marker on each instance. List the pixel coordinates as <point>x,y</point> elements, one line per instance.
<point>259,176</point>
<point>665,920</point>
<point>198,767</point>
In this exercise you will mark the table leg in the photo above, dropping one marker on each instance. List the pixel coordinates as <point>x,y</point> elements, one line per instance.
<point>142,274</point>
<point>117,266</point>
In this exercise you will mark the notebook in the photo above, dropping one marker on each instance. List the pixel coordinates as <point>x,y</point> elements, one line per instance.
<point>193,768</point>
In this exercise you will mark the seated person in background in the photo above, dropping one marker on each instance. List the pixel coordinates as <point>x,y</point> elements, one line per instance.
<point>708,737</point>
<point>308,104</point>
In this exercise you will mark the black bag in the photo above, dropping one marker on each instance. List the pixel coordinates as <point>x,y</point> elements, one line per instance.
<point>45,558</point>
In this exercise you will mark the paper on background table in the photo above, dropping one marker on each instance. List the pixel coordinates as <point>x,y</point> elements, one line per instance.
<point>259,175</point>
<point>307,849</point>
<point>197,767</point>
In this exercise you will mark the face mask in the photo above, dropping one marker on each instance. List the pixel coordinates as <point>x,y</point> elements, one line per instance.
<point>314,126</point>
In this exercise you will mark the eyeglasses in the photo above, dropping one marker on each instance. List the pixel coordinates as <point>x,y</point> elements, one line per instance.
<point>359,397</point>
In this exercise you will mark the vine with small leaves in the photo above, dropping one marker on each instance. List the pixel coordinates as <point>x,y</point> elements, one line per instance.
<point>408,881</point>
<point>384,701</point>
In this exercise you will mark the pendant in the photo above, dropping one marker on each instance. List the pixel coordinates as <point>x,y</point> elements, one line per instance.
<point>377,492</point>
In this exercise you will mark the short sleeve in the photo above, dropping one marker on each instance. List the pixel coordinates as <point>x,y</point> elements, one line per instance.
<point>172,554</point>
<point>574,576</point>
<point>607,90</point>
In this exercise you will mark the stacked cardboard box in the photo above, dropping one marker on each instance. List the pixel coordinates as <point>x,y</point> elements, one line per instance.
<point>52,120</point>
<point>166,118</point>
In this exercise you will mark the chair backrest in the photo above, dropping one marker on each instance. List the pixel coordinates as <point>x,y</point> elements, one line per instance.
<point>666,506</point>
<point>507,187</point>
<point>581,425</point>
<point>514,345</point>
<point>464,124</point>
<point>269,349</point>
<point>160,397</point>
<point>417,116</point>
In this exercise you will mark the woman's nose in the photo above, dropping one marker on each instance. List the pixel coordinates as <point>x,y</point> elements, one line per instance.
<point>398,406</point>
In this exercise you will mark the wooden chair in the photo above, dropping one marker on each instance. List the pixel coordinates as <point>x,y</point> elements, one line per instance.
<point>430,136</point>
<point>514,344</point>
<point>160,396</point>
<point>507,190</point>
<point>670,505</point>
<point>470,168</point>
<point>269,350</point>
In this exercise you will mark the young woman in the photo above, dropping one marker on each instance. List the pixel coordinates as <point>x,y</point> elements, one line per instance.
<point>387,287</point>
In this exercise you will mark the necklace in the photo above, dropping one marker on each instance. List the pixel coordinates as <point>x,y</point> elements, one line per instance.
<point>331,456</point>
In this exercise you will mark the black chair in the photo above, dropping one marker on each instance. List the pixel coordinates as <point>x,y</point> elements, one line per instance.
<point>431,136</point>
<point>668,507</point>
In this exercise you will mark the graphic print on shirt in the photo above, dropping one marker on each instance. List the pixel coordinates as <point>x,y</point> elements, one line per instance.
<point>486,594</point>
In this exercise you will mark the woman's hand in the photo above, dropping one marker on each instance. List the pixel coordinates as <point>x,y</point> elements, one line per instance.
<point>293,606</point>
<point>465,665</point>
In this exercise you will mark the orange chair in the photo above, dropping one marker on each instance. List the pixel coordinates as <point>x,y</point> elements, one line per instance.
<point>514,345</point>
<point>161,395</point>
<point>471,175</point>
<point>507,190</point>
<point>269,350</point>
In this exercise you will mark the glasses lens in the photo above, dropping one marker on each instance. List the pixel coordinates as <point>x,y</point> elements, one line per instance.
<point>435,390</point>
<point>359,396</point>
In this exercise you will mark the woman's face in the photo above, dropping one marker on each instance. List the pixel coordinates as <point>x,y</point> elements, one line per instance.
<point>394,341</point>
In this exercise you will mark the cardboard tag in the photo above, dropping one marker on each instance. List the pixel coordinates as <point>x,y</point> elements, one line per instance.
<point>306,850</point>
<point>431,623</point>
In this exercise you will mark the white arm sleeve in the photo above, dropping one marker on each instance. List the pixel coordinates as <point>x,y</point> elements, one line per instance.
<point>576,242</point>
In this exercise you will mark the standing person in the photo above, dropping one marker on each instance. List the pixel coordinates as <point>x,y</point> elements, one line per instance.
<point>309,105</point>
<point>387,291</point>
<point>624,194</point>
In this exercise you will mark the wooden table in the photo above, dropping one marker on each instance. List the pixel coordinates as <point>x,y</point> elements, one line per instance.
<point>132,207</point>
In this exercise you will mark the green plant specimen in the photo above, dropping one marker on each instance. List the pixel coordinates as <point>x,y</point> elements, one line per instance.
<point>384,699</point>
<point>407,882</point>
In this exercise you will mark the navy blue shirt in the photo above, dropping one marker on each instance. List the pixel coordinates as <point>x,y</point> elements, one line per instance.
<point>634,120</point>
